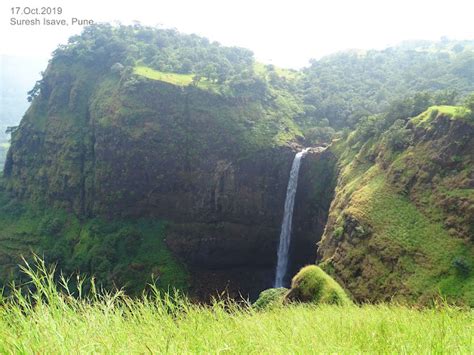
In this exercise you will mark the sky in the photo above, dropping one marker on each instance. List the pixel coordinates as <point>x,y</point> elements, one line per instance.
<point>285,33</point>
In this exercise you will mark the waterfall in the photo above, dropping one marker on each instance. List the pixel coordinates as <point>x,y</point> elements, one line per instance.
<point>285,234</point>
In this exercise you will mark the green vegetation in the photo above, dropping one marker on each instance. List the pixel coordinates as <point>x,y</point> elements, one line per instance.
<point>112,322</point>
<point>163,50</point>
<point>453,112</point>
<point>333,93</point>
<point>311,284</point>
<point>172,78</point>
<point>273,72</point>
<point>175,78</point>
<point>405,211</point>
<point>376,204</point>
<point>126,252</point>
<point>346,87</point>
<point>272,297</point>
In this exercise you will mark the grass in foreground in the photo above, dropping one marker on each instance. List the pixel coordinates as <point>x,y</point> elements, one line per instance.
<point>53,321</point>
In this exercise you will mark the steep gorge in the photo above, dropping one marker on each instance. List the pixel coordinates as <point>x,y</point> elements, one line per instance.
<point>154,167</point>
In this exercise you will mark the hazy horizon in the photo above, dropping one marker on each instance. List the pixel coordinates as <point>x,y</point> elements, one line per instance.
<point>287,34</point>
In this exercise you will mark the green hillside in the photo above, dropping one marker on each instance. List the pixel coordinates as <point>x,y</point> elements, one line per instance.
<point>403,214</point>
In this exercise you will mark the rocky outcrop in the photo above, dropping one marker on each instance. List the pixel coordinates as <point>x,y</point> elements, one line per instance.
<point>400,226</point>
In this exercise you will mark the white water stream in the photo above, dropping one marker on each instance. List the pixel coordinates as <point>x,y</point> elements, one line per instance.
<point>285,234</point>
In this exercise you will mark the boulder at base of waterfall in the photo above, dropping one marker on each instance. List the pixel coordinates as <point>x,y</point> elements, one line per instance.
<point>273,297</point>
<point>311,284</point>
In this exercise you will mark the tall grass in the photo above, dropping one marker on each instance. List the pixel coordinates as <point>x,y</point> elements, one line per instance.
<point>52,319</point>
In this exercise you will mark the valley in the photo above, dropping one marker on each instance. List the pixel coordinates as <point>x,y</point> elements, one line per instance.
<point>184,183</point>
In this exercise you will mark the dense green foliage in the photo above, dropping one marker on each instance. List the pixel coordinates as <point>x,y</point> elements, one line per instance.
<point>50,320</point>
<point>165,51</point>
<point>126,254</point>
<point>345,87</point>
<point>332,94</point>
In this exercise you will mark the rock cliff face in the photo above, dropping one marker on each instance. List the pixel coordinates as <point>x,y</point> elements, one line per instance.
<point>401,224</point>
<point>98,145</point>
<point>238,250</point>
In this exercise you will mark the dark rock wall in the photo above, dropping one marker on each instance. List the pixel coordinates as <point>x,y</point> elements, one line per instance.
<point>220,249</point>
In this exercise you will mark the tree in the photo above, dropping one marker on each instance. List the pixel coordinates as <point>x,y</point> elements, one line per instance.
<point>421,101</point>
<point>36,90</point>
<point>196,80</point>
<point>446,97</point>
<point>11,129</point>
<point>469,103</point>
<point>117,68</point>
<point>398,136</point>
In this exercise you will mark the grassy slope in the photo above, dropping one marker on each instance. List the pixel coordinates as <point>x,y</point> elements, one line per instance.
<point>405,229</point>
<point>399,225</point>
<point>172,78</point>
<point>454,112</point>
<point>262,70</point>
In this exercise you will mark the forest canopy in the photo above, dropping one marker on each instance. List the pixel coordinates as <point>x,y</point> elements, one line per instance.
<point>331,94</point>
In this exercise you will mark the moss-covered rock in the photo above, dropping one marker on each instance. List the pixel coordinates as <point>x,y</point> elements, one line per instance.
<point>272,297</point>
<point>312,284</point>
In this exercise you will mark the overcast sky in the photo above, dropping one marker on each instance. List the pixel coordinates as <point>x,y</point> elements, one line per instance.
<point>285,33</point>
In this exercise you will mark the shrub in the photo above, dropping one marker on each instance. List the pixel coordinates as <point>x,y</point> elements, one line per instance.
<point>398,136</point>
<point>51,226</point>
<point>312,284</point>
<point>462,267</point>
<point>130,238</point>
<point>338,232</point>
<point>273,297</point>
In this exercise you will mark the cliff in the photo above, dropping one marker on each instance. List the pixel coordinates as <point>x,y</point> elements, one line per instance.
<point>401,224</point>
<point>122,146</point>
